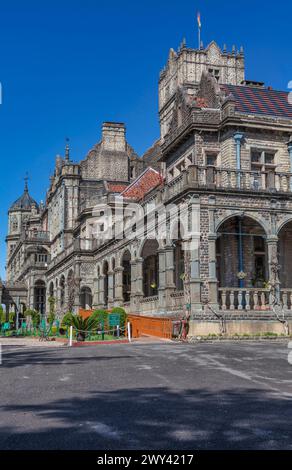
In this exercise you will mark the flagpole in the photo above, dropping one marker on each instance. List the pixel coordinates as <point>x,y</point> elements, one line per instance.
<point>199,38</point>
<point>199,28</point>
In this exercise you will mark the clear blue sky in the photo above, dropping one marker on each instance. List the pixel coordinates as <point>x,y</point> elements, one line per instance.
<point>66,66</point>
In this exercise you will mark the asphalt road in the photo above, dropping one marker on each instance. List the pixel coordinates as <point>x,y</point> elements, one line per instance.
<point>147,396</point>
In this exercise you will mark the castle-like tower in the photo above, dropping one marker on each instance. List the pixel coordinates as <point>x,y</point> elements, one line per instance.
<point>184,70</point>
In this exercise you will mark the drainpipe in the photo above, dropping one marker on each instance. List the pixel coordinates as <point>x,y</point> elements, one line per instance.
<point>290,154</point>
<point>240,252</point>
<point>238,137</point>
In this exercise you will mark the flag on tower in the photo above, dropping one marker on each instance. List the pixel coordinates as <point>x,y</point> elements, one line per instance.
<point>199,19</point>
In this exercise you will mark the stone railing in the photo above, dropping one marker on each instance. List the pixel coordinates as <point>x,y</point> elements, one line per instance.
<point>286,298</point>
<point>228,179</point>
<point>244,299</point>
<point>36,235</point>
<point>149,304</point>
<point>178,299</point>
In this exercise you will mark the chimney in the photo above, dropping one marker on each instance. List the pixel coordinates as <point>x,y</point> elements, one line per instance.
<point>114,137</point>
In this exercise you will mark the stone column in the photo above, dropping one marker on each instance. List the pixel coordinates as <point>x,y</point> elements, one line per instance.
<point>66,297</point>
<point>137,285</point>
<point>101,291</point>
<point>110,289</point>
<point>77,288</point>
<point>238,137</point>
<point>162,281</point>
<point>192,254</point>
<point>95,303</point>
<point>31,297</point>
<point>273,261</point>
<point>119,286</point>
<point>169,276</point>
<point>213,281</point>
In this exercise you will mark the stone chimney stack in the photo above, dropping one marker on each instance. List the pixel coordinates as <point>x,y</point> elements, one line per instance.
<point>114,137</point>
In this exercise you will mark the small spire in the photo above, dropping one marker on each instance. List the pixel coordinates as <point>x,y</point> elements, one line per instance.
<point>233,49</point>
<point>225,48</point>
<point>26,178</point>
<point>67,151</point>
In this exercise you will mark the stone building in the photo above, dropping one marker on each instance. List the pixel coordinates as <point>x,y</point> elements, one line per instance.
<point>224,159</point>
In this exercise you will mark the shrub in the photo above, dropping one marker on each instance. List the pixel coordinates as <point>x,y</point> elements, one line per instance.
<point>2,315</point>
<point>84,326</point>
<point>35,316</point>
<point>67,319</point>
<point>12,317</point>
<point>101,317</point>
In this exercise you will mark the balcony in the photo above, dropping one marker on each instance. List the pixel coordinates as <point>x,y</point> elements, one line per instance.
<point>36,236</point>
<point>230,180</point>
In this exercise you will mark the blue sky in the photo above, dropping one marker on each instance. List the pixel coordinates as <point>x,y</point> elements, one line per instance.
<point>67,66</point>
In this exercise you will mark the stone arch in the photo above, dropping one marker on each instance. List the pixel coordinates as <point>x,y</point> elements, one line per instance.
<point>287,219</point>
<point>144,241</point>
<point>241,253</point>
<point>260,220</point>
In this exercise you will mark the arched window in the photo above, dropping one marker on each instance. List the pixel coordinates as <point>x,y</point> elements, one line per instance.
<point>126,265</point>
<point>150,268</point>
<point>40,297</point>
<point>86,298</point>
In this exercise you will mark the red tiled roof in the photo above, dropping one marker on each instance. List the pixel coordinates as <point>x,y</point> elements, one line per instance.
<point>147,181</point>
<point>117,187</point>
<point>263,101</point>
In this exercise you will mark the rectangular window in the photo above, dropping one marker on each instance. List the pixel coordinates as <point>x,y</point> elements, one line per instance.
<point>211,159</point>
<point>215,73</point>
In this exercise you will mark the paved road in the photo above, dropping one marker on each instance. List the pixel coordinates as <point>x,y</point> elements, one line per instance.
<point>155,396</point>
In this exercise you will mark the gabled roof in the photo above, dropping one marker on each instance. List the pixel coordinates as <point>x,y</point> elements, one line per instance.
<point>263,101</point>
<point>146,182</point>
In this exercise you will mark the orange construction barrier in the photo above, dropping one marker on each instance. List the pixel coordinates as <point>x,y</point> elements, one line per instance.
<point>150,326</point>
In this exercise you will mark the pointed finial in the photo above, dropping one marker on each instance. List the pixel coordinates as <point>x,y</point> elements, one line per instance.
<point>224,48</point>
<point>233,49</point>
<point>241,50</point>
<point>26,179</point>
<point>67,150</point>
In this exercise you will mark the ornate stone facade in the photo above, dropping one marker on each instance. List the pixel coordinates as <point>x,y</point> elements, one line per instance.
<point>224,158</point>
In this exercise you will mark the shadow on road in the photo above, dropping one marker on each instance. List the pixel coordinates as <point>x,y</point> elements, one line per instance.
<point>154,418</point>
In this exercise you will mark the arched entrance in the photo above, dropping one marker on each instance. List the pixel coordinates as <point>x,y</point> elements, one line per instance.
<point>150,268</point>
<point>126,265</point>
<point>285,256</point>
<point>241,254</point>
<point>86,298</point>
<point>40,297</point>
